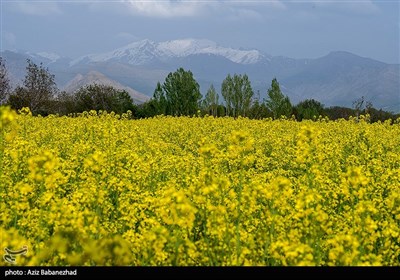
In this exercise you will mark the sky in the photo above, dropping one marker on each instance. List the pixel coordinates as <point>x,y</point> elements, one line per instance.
<point>296,29</point>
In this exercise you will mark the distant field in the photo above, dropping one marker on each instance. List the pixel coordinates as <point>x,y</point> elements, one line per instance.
<point>101,189</point>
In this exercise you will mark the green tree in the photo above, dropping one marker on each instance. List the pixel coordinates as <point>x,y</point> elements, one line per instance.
<point>38,90</point>
<point>308,109</point>
<point>338,112</point>
<point>237,93</point>
<point>4,82</point>
<point>182,93</point>
<point>381,115</point>
<point>210,101</point>
<point>259,110</point>
<point>278,103</point>
<point>147,109</point>
<point>103,97</point>
<point>227,93</point>
<point>65,103</point>
<point>159,101</point>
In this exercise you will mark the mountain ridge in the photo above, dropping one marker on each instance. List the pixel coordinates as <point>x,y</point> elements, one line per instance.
<point>140,52</point>
<point>95,77</point>
<point>336,79</point>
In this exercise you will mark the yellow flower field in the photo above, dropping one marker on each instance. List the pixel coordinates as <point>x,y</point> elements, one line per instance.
<point>102,189</point>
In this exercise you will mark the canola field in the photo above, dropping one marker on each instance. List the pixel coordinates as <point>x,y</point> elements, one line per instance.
<point>103,189</point>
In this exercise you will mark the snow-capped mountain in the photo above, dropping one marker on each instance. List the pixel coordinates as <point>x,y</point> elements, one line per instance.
<point>50,56</point>
<point>146,51</point>
<point>46,57</point>
<point>186,47</point>
<point>337,78</point>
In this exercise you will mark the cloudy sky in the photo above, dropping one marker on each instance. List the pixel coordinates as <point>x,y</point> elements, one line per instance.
<point>298,29</point>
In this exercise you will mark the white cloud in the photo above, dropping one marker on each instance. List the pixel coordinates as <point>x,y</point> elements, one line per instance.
<point>235,14</point>
<point>190,8</point>
<point>275,4</point>
<point>252,10</point>
<point>167,9</point>
<point>38,8</point>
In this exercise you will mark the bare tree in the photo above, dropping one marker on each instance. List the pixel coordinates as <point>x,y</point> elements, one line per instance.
<point>4,82</point>
<point>360,105</point>
<point>38,90</point>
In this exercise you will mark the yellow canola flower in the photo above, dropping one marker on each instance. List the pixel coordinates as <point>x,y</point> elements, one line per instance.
<point>103,189</point>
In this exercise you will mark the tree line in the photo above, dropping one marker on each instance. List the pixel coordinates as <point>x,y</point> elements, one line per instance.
<point>179,95</point>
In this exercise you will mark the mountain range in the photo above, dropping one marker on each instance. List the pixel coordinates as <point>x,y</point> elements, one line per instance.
<point>336,79</point>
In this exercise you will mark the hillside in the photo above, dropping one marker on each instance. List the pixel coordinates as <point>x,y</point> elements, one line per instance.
<point>338,78</point>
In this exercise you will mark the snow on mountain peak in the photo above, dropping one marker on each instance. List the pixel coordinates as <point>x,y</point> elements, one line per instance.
<point>135,53</point>
<point>52,57</point>
<point>185,47</point>
<point>141,52</point>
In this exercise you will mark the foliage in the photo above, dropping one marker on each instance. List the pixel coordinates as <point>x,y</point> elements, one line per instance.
<point>182,93</point>
<point>309,109</point>
<point>38,90</point>
<point>159,101</point>
<point>210,101</point>
<point>103,97</point>
<point>278,103</point>
<point>259,111</point>
<point>237,93</point>
<point>65,103</point>
<point>339,112</point>
<point>179,95</point>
